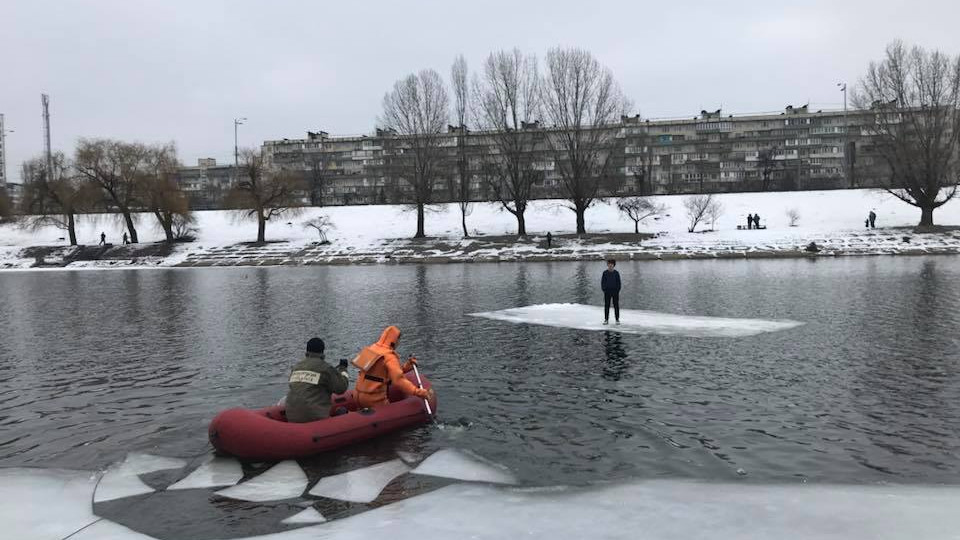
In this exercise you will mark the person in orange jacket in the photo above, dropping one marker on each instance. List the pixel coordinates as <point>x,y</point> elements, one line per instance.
<point>379,367</point>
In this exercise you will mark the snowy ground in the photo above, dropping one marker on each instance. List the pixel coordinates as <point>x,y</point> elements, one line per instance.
<point>372,234</point>
<point>53,504</point>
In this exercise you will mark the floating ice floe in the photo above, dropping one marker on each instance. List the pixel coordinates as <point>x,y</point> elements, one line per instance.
<point>108,530</point>
<point>460,465</point>
<point>45,504</point>
<point>362,485</point>
<point>215,472</point>
<point>123,480</point>
<point>284,480</point>
<point>310,515</point>
<point>632,321</point>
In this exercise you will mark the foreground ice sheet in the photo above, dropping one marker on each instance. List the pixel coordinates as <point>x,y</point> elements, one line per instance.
<point>362,485</point>
<point>216,472</point>
<point>634,321</point>
<point>284,480</point>
<point>123,480</point>
<point>460,465</point>
<point>42,504</point>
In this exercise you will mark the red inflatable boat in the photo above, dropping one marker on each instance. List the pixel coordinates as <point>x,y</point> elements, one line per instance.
<point>265,434</point>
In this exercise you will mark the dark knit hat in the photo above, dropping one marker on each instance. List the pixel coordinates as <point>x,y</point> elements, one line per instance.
<point>315,345</point>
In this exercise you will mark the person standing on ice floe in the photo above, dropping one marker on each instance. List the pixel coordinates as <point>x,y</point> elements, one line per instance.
<point>610,285</point>
<point>312,382</point>
<point>379,367</point>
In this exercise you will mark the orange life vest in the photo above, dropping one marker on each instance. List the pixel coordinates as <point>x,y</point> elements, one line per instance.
<point>372,363</point>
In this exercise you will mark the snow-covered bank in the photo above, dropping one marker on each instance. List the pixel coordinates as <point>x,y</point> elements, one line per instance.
<point>380,234</point>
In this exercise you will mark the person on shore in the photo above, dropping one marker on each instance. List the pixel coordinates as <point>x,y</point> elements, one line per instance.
<point>756,221</point>
<point>126,239</point>
<point>866,222</point>
<point>872,218</point>
<point>549,239</point>
<point>380,367</point>
<point>103,238</point>
<point>312,383</point>
<point>610,285</point>
<point>749,221</point>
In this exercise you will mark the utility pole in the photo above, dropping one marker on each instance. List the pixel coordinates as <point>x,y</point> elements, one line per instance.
<point>846,139</point>
<point>3,153</point>
<point>48,156</point>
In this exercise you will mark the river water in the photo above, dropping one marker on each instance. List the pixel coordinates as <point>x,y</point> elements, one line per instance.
<point>95,364</point>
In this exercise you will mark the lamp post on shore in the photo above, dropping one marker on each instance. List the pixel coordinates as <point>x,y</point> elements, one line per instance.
<point>236,147</point>
<point>3,152</point>
<point>846,139</point>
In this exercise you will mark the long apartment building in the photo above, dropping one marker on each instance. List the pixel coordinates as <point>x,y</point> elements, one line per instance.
<point>711,152</point>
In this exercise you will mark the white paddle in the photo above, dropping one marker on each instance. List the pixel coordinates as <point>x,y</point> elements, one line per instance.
<point>420,383</point>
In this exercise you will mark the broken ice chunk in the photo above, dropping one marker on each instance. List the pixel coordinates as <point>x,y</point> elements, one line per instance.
<point>310,515</point>
<point>462,465</point>
<point>284,480</point>
<point>123,479</point>
<point>214,472</point>
<point>41,504</point>
<point>362,485</point>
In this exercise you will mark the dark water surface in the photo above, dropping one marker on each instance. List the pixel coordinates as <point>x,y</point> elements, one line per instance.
<point>95,364</point>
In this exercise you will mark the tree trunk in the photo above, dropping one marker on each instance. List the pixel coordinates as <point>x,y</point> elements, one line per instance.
<point>926,216</point>
<point>261,227</point>
<point>463,216</point>
<point>521,224</point>
<point>420,233</point>
<point>166,223</point>
<point>129,220</point>
<point>72,228</point>
<point>581,226</point>
<point>636,227</point>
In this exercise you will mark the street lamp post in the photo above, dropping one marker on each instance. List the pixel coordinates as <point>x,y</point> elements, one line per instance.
<point>236,147</point>
<point>846,140</point>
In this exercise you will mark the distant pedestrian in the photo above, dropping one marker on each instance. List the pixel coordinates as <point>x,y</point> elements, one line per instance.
<point>103,238</point>
<point>549,239</point>
<point>126,239</point>
<point>872,218</point>
<point>756,221</point>
<point>610,285</point>
<point>866,222</point>
<point>749,221</point>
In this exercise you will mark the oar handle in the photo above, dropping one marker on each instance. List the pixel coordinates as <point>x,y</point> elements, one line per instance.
<point>420,384</point>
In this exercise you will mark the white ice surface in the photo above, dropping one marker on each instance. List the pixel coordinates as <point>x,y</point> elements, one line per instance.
<point>284,480</point>
<point>45,504</point>
<point>360,485</point>
<point>461,465</point>
<point>634,321</point>
<point>310,515</point>
<point>216,472</point>
<point>123,479</point>
<point>108,530</point>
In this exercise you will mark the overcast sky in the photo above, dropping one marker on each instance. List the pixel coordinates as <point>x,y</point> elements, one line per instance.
<point>183,70</point>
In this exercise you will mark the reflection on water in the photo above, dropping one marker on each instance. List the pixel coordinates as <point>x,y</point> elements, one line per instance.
<point>96,364</point>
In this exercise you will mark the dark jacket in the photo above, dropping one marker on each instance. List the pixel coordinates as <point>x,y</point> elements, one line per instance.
<point>312,382</point>
<point>610,282</point>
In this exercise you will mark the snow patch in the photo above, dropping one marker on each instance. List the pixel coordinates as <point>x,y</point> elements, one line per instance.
<point>123,480</point>
<point>215,472</point>
<point>461,465</point>
<point>361,485</point>
<point>284,480</point>
<point>634,321</point>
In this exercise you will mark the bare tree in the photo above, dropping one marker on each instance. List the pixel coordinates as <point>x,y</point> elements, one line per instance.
<point>160,192</point>
<point>581,99</point>
<point>321,224</point>
<point>6,206</point>
<point>318,178</point>
<point>643,171</point>
<point>701,208</point>
<point>262,194</point>
<point>794,216</point>
<point>713,213</point>
<point>417,110</point>
<point>117,168</point>
<point>913,98</point>
<point>639,209</point>
<point>767,163</point>
<point>508,102</point>
<point>459,184</point>
<point>54,195</point>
